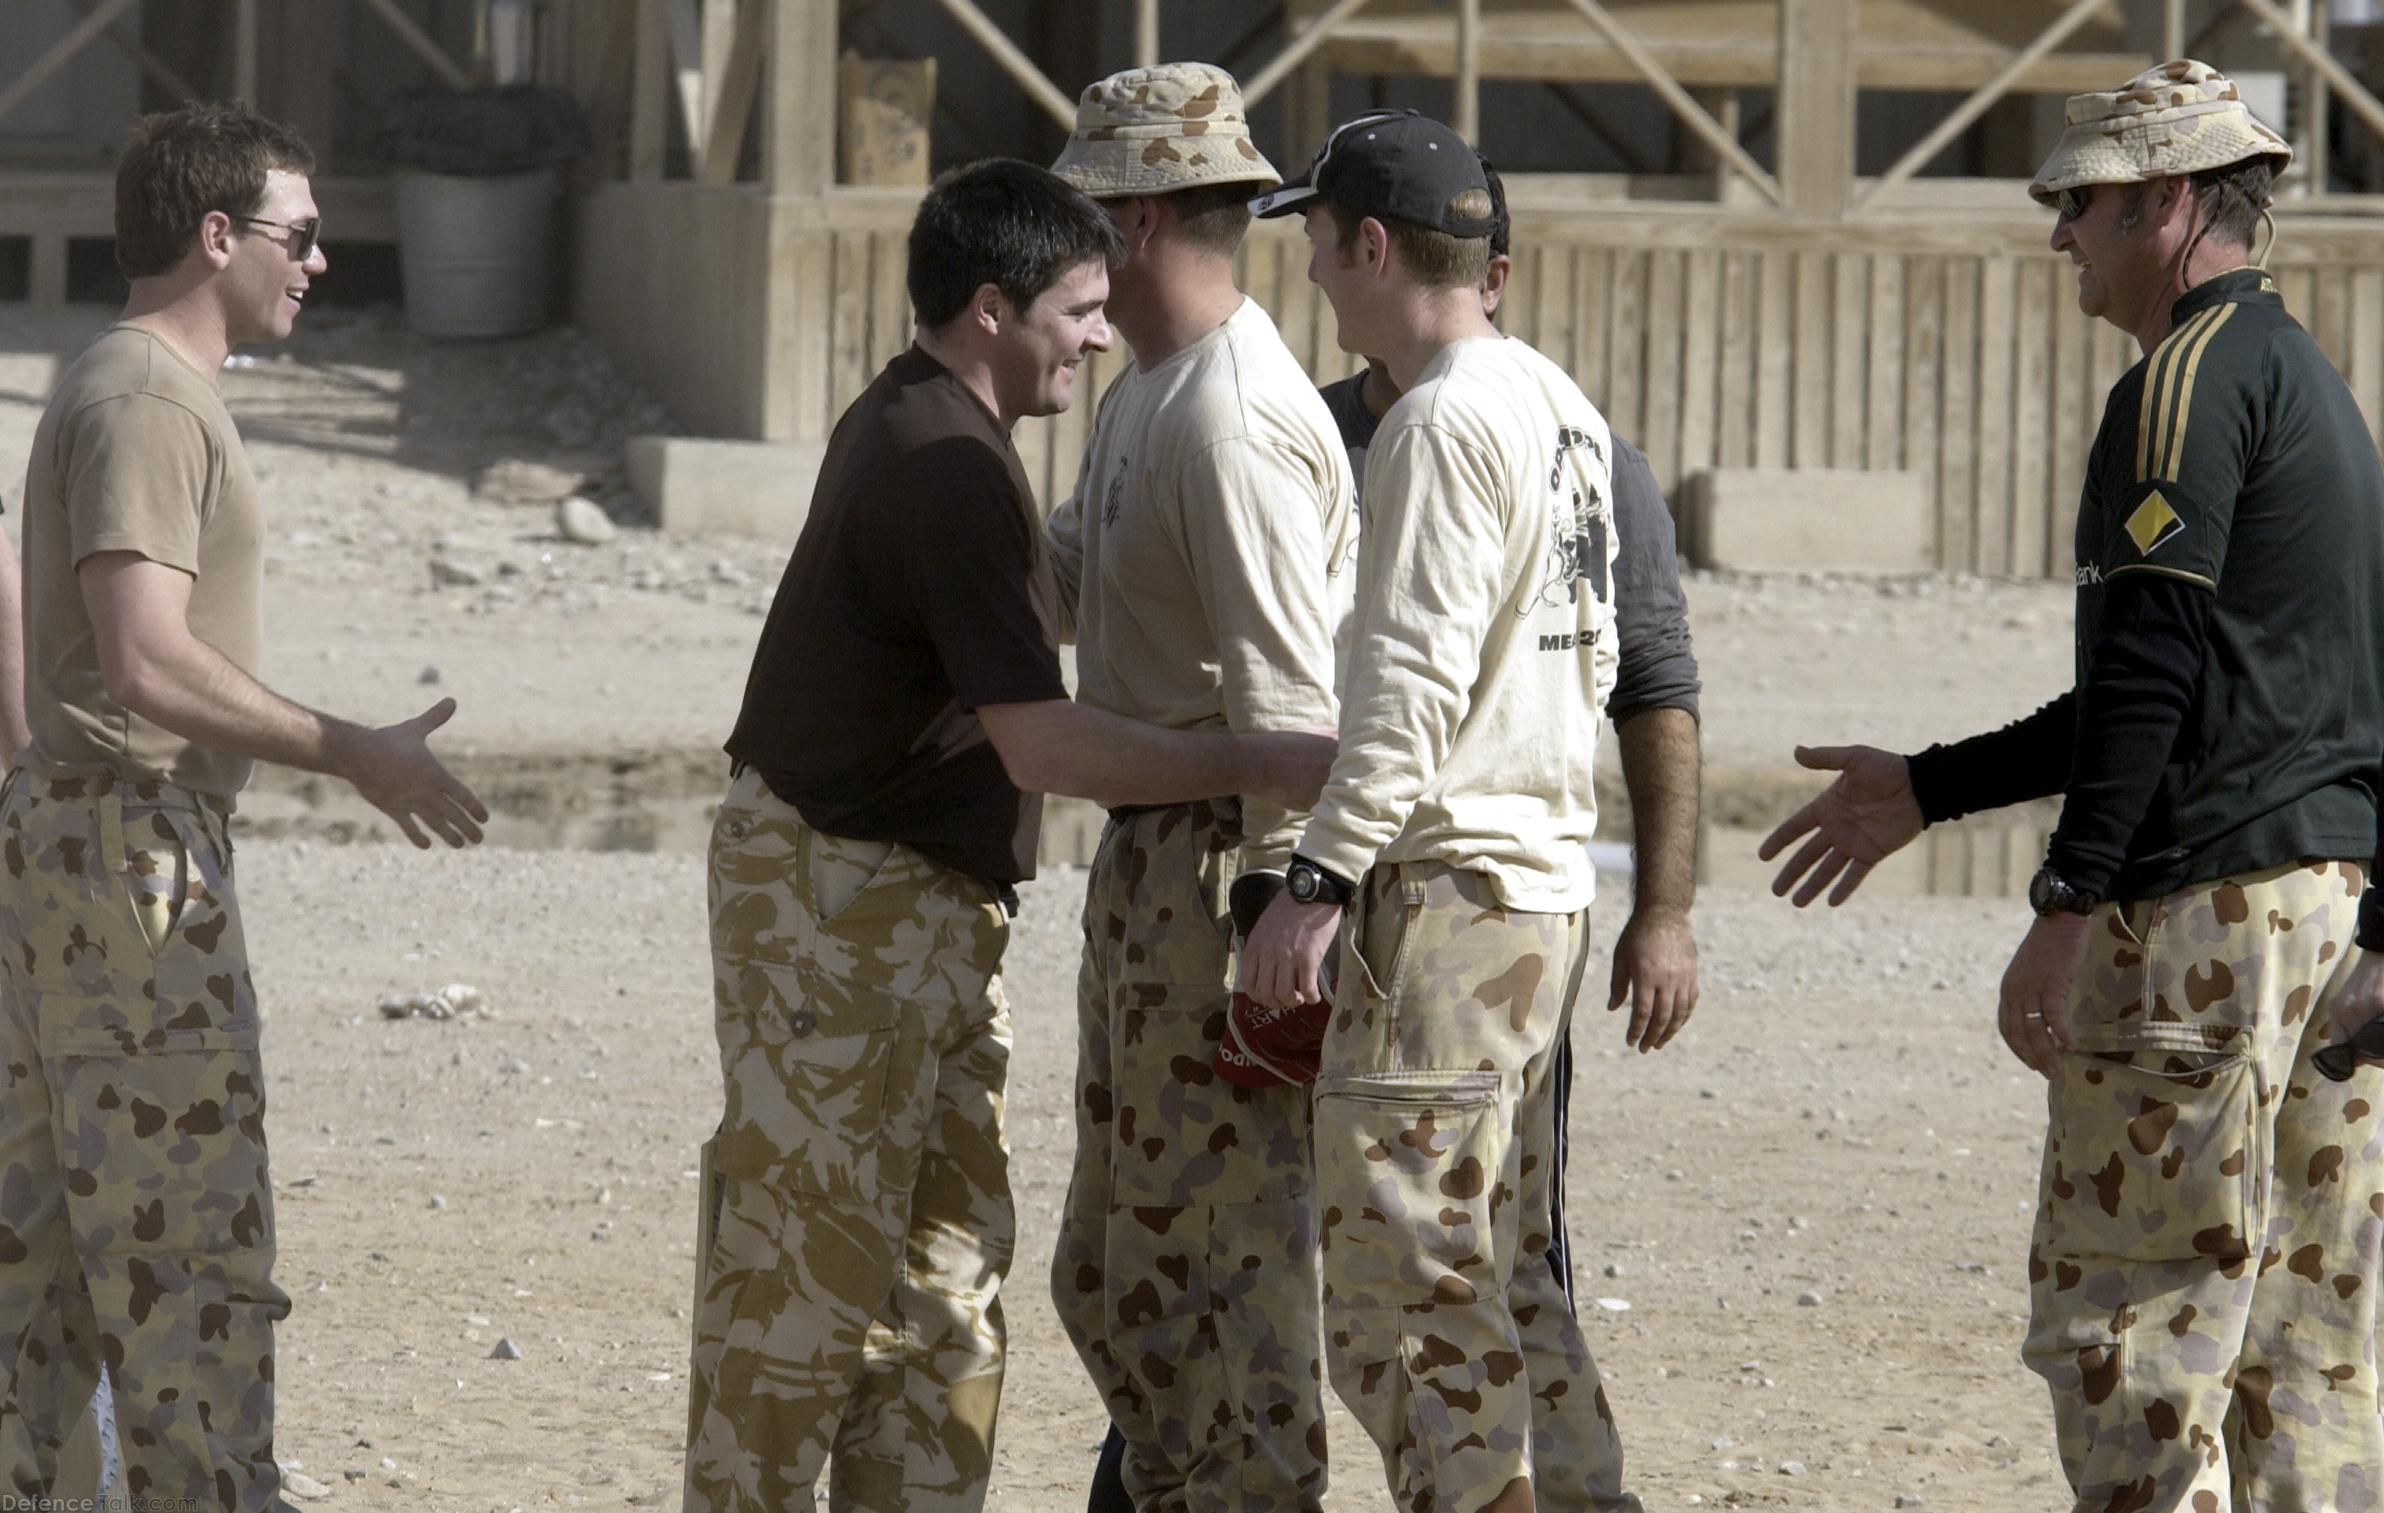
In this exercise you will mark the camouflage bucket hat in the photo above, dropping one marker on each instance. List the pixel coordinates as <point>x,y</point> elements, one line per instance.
<point>2179,118</point>
<point>1153,130</point>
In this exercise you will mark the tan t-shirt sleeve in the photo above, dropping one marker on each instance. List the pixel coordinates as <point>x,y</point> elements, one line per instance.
<point>1256,538</point>
<point>139,473</point>
<point>1432,553</point>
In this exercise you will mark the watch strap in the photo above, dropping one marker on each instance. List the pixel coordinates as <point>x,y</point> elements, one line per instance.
<point>1332,887</point>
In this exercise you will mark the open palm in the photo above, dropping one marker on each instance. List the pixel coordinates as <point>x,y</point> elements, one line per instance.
<point>1854,823</point>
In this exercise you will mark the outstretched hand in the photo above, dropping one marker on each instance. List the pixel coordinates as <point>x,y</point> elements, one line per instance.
<point>1855,823</point>
<point>393,768</point>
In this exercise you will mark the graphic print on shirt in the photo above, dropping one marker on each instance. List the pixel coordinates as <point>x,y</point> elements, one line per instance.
<point>1576,530</point>
<point>1116,494</point>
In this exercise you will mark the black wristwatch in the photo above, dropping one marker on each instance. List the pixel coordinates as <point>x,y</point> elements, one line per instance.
<point>1307,883</point>
<point>2050,893</point>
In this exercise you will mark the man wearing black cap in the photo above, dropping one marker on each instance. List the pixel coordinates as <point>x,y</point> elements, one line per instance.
<point>1653,709</point>
<point>1449,844</point>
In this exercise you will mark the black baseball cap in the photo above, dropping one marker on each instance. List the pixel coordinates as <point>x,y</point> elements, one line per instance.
<point>1392,163</point>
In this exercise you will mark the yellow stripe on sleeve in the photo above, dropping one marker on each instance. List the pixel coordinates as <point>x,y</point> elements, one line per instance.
<point>2175,457</point>
<point>2160,389</point>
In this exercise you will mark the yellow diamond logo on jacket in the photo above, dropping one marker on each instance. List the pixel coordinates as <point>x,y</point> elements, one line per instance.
<point>2153,523</point>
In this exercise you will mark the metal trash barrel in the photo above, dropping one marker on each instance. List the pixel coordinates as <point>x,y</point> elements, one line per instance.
<point>477,252</point>
<point>478,174</point>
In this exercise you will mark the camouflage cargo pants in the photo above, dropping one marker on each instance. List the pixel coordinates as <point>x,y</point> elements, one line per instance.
<point>1448,1335</point>
<point>1186,1265</point>
<point>858,1224</point>
<point>2204,1268</point>
<point>136,1218</point>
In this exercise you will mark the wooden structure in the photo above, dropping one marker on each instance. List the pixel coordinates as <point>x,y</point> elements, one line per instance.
<point>1770,309</point>
<point>1797,317</point>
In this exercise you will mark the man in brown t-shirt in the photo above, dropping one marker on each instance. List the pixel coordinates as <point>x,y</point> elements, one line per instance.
<point>904,713</point>
<point>136,1220</point>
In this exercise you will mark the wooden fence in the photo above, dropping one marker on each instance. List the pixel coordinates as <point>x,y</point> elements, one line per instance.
<point>1947,346</point>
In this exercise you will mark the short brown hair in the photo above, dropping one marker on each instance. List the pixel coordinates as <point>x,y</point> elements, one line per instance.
<point>1212,217</point>
<point>2231,198</point>
<point>1437,259</point>
<point>184,165</point>
<point>2234,196</point>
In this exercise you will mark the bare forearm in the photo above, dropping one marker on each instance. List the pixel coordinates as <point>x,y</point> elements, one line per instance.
<point>194,691</point>
<point>1077,749</point>
<point>1660,768</point>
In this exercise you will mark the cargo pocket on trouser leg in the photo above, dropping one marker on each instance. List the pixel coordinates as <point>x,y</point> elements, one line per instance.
<point>149,1022</point>
<point>1416,1328</point>
<point>2153,1195</point>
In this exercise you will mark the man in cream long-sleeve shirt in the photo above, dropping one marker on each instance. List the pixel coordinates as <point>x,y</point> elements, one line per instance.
<point>1450,835</point>
<point>1197,561</point>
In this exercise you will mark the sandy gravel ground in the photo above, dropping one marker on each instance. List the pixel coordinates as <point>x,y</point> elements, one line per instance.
<point>1838,1120</point>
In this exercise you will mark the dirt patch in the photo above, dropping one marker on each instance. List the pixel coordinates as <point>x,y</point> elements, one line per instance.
<point>1837,1119</point>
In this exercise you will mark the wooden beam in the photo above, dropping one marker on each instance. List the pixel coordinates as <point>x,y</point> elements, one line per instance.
<point>244,52</point>
<point>649,93</point>
<point>731,104</point>
<point>419,43</point>
<point>687,67</point>
<point>1814,117</point>
<point>1547,42</point>
<point>799,112</point>
<point>607,87</point>
<point>302,62</point>
<point>1146,33</point>
<point>1467,104</point>
<point>1295,52</point>
<point>59,56</point>
<point>716,39</point>
<point>1018,65</point>
<point>1691,114</point>
<point>150,63</point>
<point>1985,96</point>
<point>2355,94</point>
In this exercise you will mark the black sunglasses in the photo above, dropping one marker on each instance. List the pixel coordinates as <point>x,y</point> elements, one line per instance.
<point>2071,203</point>
<point>2339,1061</point>
<point>307,231</point>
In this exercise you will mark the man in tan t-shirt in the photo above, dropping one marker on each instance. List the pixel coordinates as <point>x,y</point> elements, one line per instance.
<point>1202,559</point>
<point>136,1220</point>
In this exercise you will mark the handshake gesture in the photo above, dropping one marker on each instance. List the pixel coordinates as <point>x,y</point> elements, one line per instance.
<point>1853,824</point>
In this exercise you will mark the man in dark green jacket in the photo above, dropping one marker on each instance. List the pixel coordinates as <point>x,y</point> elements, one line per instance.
<point>2204,1267</point>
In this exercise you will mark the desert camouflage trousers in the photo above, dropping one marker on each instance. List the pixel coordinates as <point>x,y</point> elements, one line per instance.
<point>1185,1271</point>
<point>2204,1268</point>
<point>856,1220</point>
<point>1448,1335</point>
<point>136,1217</point>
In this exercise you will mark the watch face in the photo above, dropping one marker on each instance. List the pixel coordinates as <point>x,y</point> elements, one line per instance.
<point>1301,883</point>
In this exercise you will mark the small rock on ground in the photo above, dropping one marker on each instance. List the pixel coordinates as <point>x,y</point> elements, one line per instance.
<point>583,520</point>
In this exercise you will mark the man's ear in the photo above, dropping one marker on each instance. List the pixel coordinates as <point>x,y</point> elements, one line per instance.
<point>1374,246</point>
<point>989,309</point>
<point>217,232</point>
<point>1145,224</point>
